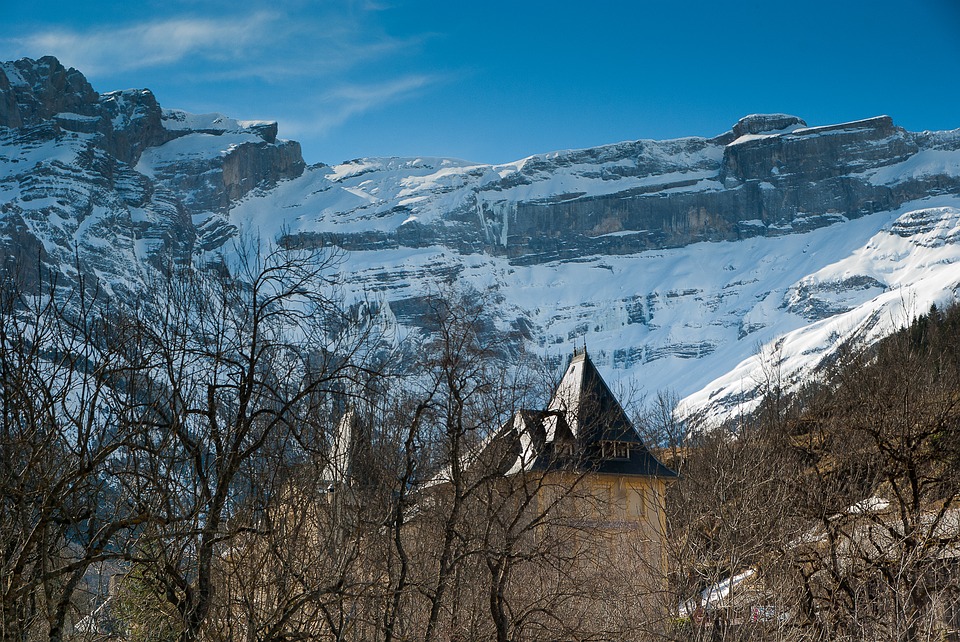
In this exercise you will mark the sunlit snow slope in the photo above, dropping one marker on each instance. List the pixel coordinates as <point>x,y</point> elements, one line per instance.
<point>703,266</point>
<point>714,321</point>
<point>710,321</point>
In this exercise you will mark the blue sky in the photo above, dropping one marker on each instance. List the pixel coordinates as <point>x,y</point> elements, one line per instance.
<point>496,81</point>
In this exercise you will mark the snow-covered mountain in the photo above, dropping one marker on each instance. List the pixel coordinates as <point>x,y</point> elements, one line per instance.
<point>707,266</point>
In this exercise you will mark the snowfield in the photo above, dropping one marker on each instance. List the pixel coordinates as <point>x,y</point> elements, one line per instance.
<point>710,321</point>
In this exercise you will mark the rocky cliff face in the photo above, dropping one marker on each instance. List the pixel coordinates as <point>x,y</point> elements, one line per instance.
<point>768,177</point>
<point>74,176</point>
<point>814,232</point>
<point>34,91</point>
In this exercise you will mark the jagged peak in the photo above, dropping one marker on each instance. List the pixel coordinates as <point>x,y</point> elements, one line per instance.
<point>44,73</point>
<point>33,91</point>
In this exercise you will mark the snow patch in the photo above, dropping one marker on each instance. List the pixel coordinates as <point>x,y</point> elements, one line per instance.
<point>924,164</point>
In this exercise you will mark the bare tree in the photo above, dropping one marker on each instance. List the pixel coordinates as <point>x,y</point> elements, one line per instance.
<point>231,363</point>
<point>840,502</point>
<point>885,486</point>
<point>63,435</point>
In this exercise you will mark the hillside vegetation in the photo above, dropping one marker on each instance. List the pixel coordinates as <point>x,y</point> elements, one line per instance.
<point>835,507</point>
<point>191,446</point>
<point>238,455</point>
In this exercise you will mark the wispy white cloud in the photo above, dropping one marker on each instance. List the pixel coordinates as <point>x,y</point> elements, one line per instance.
<point>268,45</point>
<point>360,96</point>
<point>149,44</point>
<point>335,107</point>
<point>324,58</point>
<point>311,64</point>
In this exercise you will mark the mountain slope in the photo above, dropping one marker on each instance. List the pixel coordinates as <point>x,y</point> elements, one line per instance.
<point>674,261</point>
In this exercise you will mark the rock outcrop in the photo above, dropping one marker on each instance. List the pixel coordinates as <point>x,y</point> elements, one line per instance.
<point>34,91</point>
<point>762,183</point>
<point>74,178</point>
<point>768,176</point>
<point>819,233</point>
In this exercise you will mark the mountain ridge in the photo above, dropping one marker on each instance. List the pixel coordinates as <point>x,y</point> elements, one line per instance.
<point>675,260</point>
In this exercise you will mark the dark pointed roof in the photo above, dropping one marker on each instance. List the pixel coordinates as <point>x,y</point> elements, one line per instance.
<point>578,430</point>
